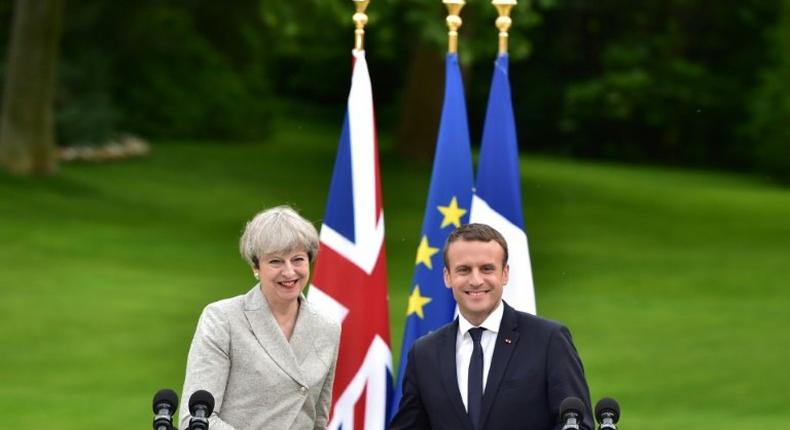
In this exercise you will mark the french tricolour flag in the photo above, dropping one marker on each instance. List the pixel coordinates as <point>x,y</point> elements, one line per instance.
<point>350,276</point>
<point>497,199</point>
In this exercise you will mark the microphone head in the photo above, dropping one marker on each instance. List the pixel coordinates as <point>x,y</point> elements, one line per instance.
<point>168,397</point>
<point>572,405</point>
<point>204,398</point>
<point>607,404</point>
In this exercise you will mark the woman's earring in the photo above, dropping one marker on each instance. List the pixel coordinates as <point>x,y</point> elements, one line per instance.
<point>257,276</point>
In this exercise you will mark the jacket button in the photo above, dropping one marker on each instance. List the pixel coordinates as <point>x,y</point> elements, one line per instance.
<point>302,390</point>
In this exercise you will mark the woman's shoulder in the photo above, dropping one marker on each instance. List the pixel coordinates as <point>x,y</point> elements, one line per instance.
<point>225,306</point>
<point>319,319</point>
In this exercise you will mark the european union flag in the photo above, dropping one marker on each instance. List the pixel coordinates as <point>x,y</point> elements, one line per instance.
<point>431,304</point>
<point>497,200</point>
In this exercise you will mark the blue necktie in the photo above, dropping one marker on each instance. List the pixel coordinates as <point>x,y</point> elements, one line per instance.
<point>474,400</point>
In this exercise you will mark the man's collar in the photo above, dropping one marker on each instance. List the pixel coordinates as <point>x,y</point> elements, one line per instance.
<point>491,323</point>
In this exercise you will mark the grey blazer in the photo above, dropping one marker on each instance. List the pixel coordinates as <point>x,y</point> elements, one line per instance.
<point>260,380</point>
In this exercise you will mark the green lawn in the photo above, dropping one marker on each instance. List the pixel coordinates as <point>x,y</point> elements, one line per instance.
<point>674,283</point>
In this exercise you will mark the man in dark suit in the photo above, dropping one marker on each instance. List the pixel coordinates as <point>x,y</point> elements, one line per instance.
<point>493,367</point>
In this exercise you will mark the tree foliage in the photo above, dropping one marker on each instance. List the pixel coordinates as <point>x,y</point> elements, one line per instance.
<point>162,69</point>
<point>769,127</point>
<point>667,81</point>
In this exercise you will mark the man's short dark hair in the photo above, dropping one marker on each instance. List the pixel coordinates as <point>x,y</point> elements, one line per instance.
<point>475,232</point>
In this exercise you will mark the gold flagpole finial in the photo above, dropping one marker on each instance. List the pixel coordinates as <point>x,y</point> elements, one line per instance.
<point>360,19</point>
<point>453,23</point>
<point>503,22</point>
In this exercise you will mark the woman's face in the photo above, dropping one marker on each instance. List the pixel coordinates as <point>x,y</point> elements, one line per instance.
<point>283,275</point>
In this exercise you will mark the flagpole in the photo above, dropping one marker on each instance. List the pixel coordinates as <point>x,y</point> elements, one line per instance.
<point>497,199</point>
<point>360,19</point>
<point>453,23</point>
<point>503,22</point>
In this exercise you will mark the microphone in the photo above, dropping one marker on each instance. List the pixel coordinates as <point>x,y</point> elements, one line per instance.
<point>571,413</point>
<point>607,412</point>
<point>165,405</point>
<point>201,405</point>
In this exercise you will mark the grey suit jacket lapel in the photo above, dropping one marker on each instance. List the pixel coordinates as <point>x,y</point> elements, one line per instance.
<point>269,335</point>
<point>303,342</point>
<point>505,345</point>
<point>448,373</point>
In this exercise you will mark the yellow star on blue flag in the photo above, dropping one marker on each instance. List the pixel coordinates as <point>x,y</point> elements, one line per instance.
<point>416,302</point>
<point>452,213</point>
<point>425,252</point>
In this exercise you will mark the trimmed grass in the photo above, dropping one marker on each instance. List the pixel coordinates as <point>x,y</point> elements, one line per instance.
<point>674,283</point>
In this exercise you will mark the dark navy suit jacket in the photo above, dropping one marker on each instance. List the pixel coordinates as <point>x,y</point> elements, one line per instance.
<point>534,368</point>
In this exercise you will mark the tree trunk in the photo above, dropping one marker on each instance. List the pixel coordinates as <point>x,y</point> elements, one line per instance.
<point>422,104</point>
<point>27,131</point>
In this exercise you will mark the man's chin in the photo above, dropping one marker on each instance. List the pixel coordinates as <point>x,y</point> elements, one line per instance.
<point>477,308</point>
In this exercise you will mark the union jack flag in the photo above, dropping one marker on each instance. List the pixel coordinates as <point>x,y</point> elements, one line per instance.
<point>350,277</point>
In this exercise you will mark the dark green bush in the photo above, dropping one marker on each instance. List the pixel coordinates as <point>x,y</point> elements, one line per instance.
<point>157,69</point>
<point>769,126</point>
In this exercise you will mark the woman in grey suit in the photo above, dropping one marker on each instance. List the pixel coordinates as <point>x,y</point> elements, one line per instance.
<point>267,356</point>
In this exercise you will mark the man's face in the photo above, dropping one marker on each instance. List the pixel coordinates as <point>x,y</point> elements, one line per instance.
<point>477,277</point>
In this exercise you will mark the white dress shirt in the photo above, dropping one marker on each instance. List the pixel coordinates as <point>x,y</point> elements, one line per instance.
<point>464,346</point>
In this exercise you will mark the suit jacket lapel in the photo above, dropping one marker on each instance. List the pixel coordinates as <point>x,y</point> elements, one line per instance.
<point>505,345</point>
<point>303,343</point>
<point>269,335</point>
<point>449,376</point>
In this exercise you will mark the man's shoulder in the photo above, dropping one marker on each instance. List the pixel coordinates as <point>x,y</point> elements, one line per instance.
<point>524,319</point>
<point>435,336</point>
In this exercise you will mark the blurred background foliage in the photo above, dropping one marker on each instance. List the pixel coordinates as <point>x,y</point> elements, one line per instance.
<point>678,82</point>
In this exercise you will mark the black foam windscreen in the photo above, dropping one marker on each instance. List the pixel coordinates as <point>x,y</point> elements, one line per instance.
<point>201,397</point>
<point>607,404</point>
<point>168,397</point>
<point>572,404</point>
